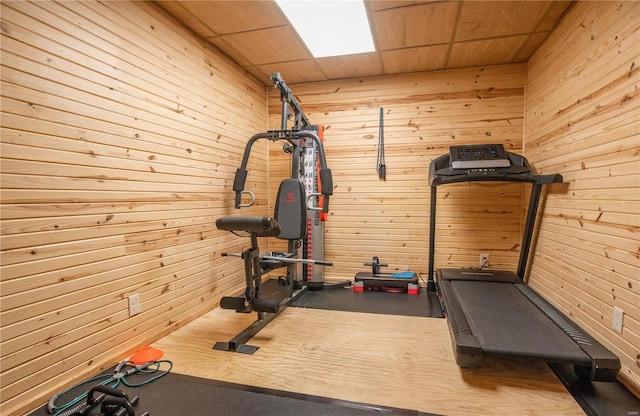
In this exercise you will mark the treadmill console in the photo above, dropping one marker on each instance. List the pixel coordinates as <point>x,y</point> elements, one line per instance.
<point>482,156</point>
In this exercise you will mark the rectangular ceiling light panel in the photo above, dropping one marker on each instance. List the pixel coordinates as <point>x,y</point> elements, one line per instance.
<point>330,28</point>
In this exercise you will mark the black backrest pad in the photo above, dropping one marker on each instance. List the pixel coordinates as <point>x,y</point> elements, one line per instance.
<point>291,210</point>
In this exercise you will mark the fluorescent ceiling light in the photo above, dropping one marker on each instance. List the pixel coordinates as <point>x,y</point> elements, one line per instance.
<point>330,28</point>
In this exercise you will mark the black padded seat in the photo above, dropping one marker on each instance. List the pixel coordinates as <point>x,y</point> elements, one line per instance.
<point>262,226</point>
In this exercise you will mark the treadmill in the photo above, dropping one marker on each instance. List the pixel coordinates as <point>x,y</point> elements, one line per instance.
<point>493,313</point>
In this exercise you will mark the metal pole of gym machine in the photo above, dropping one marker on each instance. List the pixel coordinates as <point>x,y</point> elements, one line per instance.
<point>287,98</point>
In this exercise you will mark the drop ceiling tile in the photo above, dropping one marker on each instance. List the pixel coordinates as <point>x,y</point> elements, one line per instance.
<point>233,16</point>
<point>426,58</point>
<point>376,5</point>
<point>351,66</point>
<point>485,52</point>
<point>490,19</point>
<point>530,46</point>
<point>188,18</point>
<point>553,15</point>
<point>295,72</point>
<point>278,44</point>
<point>420,25</point>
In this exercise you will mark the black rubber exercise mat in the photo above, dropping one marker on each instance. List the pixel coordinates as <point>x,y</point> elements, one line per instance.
<point>181,395</point>
<point>423,304</point>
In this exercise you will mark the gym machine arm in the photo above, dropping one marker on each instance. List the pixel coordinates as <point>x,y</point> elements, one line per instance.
<point>326,179</point>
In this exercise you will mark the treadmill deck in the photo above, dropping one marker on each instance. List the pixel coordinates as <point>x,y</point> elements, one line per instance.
<point>492,313</point>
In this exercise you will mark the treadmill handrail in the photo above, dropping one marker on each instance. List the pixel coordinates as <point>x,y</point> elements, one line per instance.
<point>440,173</point>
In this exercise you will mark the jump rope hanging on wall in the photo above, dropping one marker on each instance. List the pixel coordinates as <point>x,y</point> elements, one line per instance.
<point>382,167</point>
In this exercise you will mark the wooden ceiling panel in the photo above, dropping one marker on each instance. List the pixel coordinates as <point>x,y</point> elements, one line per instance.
<point>376,5</point>
<point>530,46</point>
<point>424,24</point>
<point>556,11</point>
<point>490,19</point>
<point>295,72</point>
<point>486,52</point>
<point>425,58</point>
<point>188,18</point>
<point>277,44</point>
<point>410,35</point>
<point>226,17</point>
<point>351,66</point>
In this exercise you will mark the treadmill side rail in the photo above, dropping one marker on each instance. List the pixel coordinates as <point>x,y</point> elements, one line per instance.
<point>605,365</point>
<point>466,346</point>
<point>468,351</point>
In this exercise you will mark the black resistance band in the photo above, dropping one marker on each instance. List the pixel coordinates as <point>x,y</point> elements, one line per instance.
<point>382,168</point>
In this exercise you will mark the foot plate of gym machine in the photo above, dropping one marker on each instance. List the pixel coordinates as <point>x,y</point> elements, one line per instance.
<point>230,346</point>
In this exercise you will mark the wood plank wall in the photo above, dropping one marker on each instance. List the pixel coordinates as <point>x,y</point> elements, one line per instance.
<point>121,132</point>
<point>583,120</point>
<point>424,114</point>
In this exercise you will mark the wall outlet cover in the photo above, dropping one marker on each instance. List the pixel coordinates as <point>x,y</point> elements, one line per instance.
<point>134,304</point>
<point>618,317</point>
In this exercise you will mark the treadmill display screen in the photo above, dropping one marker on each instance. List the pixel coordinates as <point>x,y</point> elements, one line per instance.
<point>478,156</point>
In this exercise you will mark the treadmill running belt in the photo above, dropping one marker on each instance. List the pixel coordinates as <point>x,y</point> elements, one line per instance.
<point>506,323</point>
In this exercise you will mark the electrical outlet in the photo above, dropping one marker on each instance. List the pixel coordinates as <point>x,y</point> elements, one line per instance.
<point>484,260</point>
<point>618,316</point>
<point>134,304</point>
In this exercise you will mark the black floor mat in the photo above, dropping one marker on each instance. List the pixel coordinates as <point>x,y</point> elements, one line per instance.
<point>598,398</point>
<point>177,394</point>
<point>423,304</point>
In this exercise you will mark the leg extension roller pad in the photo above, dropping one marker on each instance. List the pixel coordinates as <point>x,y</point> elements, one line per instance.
<point>239,304</point>
<point>265,305</point>
<point>236,303</point>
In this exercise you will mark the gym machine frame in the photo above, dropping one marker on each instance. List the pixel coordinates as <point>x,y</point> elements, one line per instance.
<point>303,143</point>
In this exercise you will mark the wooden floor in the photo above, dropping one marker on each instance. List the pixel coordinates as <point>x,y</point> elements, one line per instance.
<point>396,361</point>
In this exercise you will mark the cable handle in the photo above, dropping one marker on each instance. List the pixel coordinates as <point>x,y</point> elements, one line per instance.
<point>51,404</point>
<point>241,204</point>
<point>310,204</point>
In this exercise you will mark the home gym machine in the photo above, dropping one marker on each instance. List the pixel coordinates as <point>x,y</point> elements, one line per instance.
<point>494,313</point>
<point>301,208</point>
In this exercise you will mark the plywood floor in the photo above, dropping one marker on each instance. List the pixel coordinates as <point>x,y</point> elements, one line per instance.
<point>396,361</point>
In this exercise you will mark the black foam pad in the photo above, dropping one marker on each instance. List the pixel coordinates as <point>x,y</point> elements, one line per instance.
<point>262,226</point>
<point>265,305</point>
<point>232,302</point>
